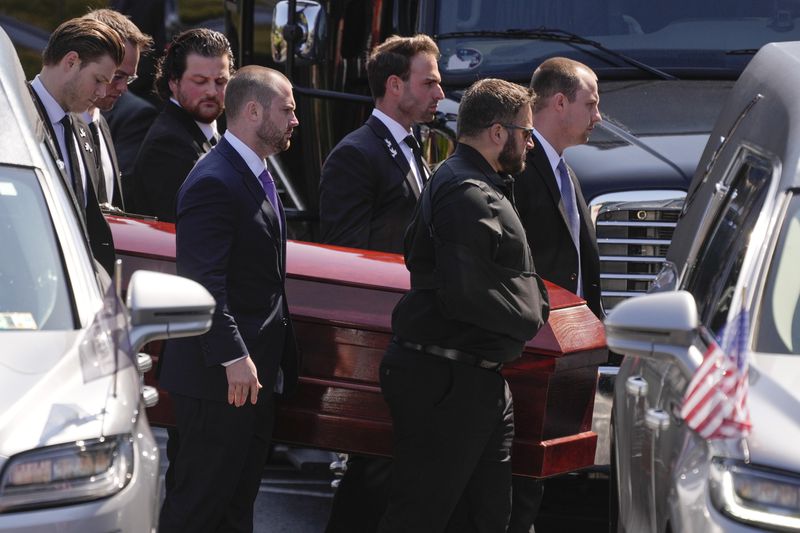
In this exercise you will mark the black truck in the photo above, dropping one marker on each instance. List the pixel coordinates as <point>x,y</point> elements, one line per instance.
<point>665,69</point>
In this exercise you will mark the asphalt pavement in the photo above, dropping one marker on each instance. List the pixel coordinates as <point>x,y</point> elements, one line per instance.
<point>296,495</point>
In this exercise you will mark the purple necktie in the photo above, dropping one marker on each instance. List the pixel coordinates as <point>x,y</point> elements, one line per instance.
<point>272,194</point>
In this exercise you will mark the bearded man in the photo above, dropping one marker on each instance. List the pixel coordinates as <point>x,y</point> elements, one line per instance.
<point>191,78</point>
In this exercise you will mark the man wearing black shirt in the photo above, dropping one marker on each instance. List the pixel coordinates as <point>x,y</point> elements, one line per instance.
<point>474,301</point>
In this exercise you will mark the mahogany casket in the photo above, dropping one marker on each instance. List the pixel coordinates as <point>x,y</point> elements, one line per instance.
<point>341,302</point>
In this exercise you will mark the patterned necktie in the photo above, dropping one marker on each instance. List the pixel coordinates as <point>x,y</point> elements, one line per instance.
<point>102,194</point>
<point>571,210</point>
<point>268,183</point>
<point>417,151</point>
<point>72,160</point>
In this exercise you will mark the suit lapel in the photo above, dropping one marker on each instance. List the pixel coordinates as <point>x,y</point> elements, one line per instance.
<point>254,188</point>
<point>545,172</point>
<point>191,126</point>
<point>394,152</point>
<point>107,139</point>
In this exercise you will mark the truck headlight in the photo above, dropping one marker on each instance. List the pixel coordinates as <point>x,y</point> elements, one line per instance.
<point>67,473</point>
<point>757,496</point>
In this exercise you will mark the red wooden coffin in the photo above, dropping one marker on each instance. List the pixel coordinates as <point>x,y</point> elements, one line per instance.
<point>341,302</point>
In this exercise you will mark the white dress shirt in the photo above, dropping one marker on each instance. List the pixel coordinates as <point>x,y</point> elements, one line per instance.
<point>400,133</point>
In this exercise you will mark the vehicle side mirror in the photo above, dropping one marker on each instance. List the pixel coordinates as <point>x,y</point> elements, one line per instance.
<point>309,32</point>
<point>163,306</point>
<point>651,324</point>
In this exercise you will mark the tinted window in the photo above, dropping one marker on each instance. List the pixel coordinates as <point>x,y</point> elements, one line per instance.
<point>779,319</point>
<point>720,260</point>
<point>33,288</point>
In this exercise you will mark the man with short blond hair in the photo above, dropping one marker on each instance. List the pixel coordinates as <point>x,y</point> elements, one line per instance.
<point>78,64</point>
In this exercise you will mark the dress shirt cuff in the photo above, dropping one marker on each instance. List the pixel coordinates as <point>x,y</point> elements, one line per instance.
<point>229,363</point>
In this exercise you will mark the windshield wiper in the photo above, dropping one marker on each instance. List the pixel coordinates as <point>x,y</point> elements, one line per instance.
<point>555,34</point>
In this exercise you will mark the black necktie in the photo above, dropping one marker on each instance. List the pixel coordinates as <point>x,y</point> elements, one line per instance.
<point>72,160</point>
<point>415,148</point>
<point>102,194</point>
<point>213,140</point>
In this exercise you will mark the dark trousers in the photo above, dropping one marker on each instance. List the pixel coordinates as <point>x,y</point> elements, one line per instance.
<point>219,465</point>
<point>453,427</point>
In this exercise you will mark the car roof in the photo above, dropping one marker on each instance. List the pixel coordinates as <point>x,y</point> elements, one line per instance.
<point>22,128</point>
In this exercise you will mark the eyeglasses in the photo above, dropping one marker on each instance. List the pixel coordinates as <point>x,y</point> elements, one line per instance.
<point>120,76</point>
<point>528,131</point>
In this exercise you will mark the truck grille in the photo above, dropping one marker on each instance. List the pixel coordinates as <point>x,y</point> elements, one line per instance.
<point>633,238</point>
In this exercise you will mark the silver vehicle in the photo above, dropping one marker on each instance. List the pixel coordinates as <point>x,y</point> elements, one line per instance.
<point>76,451</point>
<point>736,247</point>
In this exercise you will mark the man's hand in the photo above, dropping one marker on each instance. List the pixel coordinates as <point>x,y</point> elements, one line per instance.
<point>242,380</point>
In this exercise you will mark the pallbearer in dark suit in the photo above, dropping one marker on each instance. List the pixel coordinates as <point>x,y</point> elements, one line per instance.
<point>77,66</point>
<point>553,211</point>
<point>191,80</point>
<point>108,185</point>
<point>370,185</point>
<point>372,179</point>
<point>231,238</point>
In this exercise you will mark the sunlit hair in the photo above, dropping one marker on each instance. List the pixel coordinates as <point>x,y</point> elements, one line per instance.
<point>124,26</point>
<point>90,39</point>
<point>251,83</point>
<point>200,41</point>
<point>393,58</point>
<point>491,101</point>
<point>556,75</point>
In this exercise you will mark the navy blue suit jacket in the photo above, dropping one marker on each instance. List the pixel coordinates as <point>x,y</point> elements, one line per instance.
<point>367,191</point>
<point>228,239</point>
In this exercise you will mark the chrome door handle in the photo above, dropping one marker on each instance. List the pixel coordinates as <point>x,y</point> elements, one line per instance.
<point>636,386</point>
<point>656,419</point>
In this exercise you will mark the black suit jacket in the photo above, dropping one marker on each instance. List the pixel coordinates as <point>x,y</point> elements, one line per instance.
<point>541,210</point>
<point>98,231</point>
<point>228,240</point>
<point>170,149</point>
<point>367,191</point>
<point>115,196</point>
<point>128,122</point>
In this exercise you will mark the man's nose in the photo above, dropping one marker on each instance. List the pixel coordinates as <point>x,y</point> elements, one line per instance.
<point>439,92</point>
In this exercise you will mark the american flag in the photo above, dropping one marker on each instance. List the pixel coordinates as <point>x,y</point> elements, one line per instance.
<point>715,404</point>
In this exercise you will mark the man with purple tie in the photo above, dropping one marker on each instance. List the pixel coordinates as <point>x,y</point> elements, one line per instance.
<point>231,238</point>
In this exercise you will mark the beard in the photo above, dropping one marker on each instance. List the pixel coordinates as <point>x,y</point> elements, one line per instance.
<point>271,136</point>
<point>511,161</point>
<point>200,113</point>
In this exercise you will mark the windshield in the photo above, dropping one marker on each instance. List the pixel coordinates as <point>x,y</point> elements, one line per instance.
<point>704,38</point>
<point>33,288</point>
<point>779,321</point>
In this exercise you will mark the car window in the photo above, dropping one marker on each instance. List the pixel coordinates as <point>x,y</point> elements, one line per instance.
<point>33,288</point>
<point>779,319</point>
<point>719,262</point>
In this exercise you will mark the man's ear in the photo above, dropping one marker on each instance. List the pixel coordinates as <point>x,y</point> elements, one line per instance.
<point>253,110</point>
<point>394,85</point>
<point>173,87</point>
<point>496,134</point>
<point>559,101</point>
<point>70,60</point>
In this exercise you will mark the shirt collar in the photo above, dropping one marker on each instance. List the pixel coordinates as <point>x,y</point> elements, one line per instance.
<point>251,159</point>
<point>550,152</point>
<point>54,111</point>
<point>91,115</point>
<point>398,132</point>
<point>209,129</point>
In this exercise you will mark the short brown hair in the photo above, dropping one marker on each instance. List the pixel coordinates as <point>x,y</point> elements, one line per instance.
<point>90,39</point>
<point>490,101</point>
<point>252,82</point>
<point>393,58</point>
<point>124,26</point>
<point>200,41</point>
<point>556,75</point>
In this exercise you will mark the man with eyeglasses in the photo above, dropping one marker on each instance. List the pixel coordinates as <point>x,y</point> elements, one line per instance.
<point>109,178</point>
<point>475,299</point>
<point>553,211</point>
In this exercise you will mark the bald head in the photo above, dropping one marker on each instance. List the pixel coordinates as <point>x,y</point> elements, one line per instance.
<point>260,109</point>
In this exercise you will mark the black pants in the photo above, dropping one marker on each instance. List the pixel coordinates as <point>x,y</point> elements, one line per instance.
<point>453,428</point>
<point>219,465</point>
